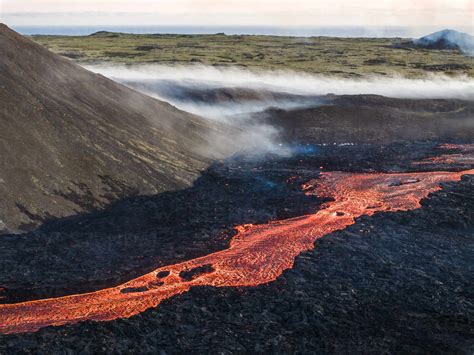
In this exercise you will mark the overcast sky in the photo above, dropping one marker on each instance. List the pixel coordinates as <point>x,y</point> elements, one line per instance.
<point>442,13</point>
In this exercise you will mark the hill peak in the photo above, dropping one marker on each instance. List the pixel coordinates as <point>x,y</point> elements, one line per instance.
<point>447,39</point>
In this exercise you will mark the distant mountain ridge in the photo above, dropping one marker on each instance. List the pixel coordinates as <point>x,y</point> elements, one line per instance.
<point>73,141</point>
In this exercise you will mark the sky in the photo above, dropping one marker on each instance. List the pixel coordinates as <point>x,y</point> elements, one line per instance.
<point>433,13</point>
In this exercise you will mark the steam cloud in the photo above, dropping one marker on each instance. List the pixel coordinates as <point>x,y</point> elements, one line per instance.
<point>430,87</point>
<point>177,85</point>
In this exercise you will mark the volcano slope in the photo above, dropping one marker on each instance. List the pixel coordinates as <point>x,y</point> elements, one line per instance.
<point>73,141</point>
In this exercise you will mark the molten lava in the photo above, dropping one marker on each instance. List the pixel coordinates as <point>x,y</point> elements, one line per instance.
<point>257,254</point>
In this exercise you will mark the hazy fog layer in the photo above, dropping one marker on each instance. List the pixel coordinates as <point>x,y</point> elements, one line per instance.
<point>286,13</point>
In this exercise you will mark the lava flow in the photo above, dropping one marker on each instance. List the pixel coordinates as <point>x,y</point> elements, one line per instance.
<point>258,254</point>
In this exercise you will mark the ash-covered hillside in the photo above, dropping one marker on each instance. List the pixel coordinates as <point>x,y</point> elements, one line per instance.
<point>73,141</point>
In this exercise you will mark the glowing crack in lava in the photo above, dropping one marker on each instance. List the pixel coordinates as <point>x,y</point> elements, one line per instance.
<point>258,254</point>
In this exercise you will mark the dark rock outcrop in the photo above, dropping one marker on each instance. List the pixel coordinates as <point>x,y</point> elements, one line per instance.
<point>374,119</point>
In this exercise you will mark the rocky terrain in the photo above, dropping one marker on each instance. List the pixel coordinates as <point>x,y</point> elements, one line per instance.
<point>393,282</point>
<point>114,185</point>
<point>374,119</point>
<point>136,235</point>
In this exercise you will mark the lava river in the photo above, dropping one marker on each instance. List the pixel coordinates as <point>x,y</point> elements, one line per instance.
<point>257,254</point>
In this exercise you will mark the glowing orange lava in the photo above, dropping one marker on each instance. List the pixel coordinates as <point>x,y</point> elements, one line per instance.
<point>258,253</point>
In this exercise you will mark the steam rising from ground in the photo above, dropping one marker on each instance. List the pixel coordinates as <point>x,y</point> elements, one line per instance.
<point>191,88</point>
<point>434,86</point>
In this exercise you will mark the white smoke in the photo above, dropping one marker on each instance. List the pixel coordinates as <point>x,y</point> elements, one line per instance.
<point>429,87</point>
<point>173,84</point>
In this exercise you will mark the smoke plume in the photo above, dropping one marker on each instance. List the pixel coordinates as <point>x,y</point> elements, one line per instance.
<point>430,87</point>
<point>447,39</point>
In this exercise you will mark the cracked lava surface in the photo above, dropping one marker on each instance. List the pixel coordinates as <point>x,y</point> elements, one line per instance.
<point>258,254</point>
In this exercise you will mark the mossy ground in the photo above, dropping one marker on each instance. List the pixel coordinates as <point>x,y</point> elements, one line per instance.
<point>347,57</point>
